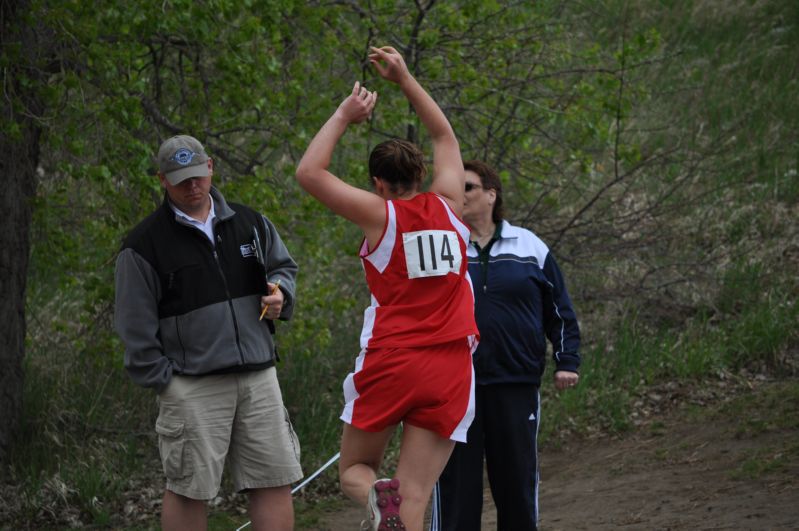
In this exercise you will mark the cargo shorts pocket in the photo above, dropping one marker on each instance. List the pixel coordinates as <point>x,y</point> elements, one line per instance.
<point>175,454</point>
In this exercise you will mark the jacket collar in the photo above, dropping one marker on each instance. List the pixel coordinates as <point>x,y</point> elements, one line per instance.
<point>223,210</point>
<point>508,231</point>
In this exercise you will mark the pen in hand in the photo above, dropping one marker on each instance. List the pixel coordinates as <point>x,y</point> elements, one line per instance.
<point>266,306</point>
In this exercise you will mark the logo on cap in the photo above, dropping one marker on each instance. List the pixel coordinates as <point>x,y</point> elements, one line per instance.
<point>183,156</point>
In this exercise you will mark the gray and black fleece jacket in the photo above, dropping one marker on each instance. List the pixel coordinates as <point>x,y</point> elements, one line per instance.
<point>185,306</point>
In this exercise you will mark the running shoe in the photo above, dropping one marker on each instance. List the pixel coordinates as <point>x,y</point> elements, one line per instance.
<point>383,507</point>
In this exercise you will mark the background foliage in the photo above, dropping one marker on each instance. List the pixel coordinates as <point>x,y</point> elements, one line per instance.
<point>653,146</point>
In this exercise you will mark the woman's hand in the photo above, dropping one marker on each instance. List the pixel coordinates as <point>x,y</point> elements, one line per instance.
<point>389,64</point>
<point>565,380</point>
<point>358,106</point>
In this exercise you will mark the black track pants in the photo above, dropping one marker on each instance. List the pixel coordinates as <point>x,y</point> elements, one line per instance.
<point>505,431</point>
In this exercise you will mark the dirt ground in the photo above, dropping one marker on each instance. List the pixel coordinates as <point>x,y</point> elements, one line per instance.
<point>721,466</point>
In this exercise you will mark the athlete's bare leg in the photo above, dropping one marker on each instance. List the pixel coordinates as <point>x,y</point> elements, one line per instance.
<point>423,456</point>
<point>361,456</point>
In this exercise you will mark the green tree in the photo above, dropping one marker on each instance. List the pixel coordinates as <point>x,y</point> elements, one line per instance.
<point>25,48</point>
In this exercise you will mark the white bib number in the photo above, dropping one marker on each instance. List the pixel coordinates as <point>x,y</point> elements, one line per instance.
<point>431,253</point>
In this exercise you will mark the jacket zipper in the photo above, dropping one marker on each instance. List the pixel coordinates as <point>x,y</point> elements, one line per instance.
<point>483,266</point>
<point>229,299</point>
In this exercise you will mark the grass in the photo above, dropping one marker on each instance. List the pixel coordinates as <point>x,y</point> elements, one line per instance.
<point>765,461</point>
<point>613,374</point>
<point>760,414</point>
<point>778,409</point>
<point>75,452</point>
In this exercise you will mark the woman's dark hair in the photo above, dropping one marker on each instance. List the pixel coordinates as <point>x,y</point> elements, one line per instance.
<point>489,178</point>
<point>399,163</point>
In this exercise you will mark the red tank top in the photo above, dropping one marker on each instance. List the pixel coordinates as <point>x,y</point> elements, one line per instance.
<point>418,277</point>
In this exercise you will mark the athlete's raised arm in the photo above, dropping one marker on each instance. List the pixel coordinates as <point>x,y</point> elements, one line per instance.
<point>448,176</point>
<point>364,208</point>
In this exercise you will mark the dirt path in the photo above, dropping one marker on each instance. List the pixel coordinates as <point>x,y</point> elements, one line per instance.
<point>728,466</point>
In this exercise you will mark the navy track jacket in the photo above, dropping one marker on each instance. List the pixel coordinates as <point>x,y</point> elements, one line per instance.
<point>520,300</point>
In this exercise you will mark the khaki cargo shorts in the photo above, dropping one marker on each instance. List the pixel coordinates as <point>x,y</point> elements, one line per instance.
<point>203,419</point>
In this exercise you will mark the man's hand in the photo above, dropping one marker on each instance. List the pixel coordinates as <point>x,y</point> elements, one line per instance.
<point>565,379</point>
<point>273,302</point>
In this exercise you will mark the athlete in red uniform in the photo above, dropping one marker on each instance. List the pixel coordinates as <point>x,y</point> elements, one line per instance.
<point>419,301</point>
<point>415,365</point>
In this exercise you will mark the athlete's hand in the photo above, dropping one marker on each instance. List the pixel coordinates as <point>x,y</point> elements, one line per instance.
<point>357,106</point>
<point>565,379</point>
<point>389,64</point>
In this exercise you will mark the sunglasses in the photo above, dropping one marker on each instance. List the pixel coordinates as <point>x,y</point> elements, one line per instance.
<point>472,186</point>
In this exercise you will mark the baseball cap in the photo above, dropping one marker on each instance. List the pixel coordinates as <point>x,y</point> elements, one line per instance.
<point>182,157</point>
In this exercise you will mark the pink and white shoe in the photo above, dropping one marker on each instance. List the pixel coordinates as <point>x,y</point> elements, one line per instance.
<point>383,506</point>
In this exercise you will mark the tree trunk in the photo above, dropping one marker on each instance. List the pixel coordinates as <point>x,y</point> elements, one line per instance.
<point>19,146</point>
